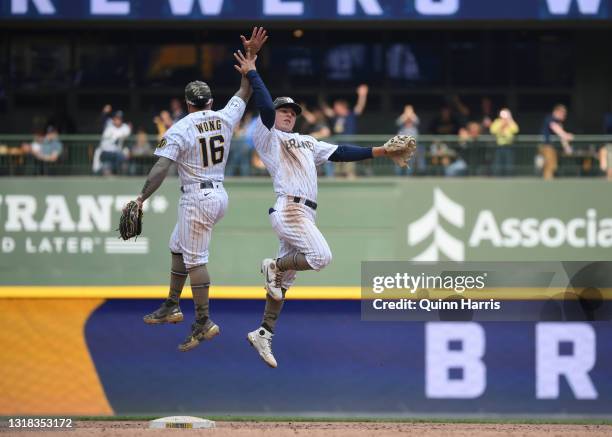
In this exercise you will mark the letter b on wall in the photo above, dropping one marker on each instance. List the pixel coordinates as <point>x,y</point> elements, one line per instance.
<point>453,360</point>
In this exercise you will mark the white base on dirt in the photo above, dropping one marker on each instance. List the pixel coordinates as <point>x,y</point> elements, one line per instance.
<point>181,422</point>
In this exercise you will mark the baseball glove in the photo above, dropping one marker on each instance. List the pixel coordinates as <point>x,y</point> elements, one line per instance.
<point>400,149</point>
<point>130,223</point>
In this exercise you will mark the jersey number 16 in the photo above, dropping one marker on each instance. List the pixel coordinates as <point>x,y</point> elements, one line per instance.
<point>212,150</point>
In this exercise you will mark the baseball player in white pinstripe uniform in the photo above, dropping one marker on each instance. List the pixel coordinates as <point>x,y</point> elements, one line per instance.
<point>291,159</point>
<point>199,144</point>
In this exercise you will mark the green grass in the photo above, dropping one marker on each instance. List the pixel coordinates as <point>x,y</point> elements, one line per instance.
<point>491,420</point>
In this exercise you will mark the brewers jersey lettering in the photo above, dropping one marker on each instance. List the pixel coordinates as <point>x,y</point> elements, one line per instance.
<point>292,160</point>
<point>199,144</point>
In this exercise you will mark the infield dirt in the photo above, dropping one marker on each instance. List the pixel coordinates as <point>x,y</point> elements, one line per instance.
<point>328,429</point>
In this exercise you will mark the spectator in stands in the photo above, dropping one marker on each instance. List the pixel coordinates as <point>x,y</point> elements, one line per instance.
<point>110,155</point>
<point>465,150</point>
<point>45,149</point>
<point>504,128</point>
<point>140,151</point>
<point>142,146</point>
<point>444,123</point>
<point>605,153</point>
<point>176,109</point>
<point>486,113</point>
<point>605,160</point>
<point>460,110</point>
<point>553,124</point>
<point>162,122</point>
<point>105,116</point>
<point>317,123</point>
<point>408,124</point>
<point>344,122</point>
<point>471,132</point>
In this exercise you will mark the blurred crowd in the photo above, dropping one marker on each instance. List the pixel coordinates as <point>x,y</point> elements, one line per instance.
<point>462,144</point>
<point>45,150</point>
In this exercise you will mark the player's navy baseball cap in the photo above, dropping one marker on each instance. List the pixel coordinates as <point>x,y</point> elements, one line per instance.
<point>197,93</point>
<point>287,101</point>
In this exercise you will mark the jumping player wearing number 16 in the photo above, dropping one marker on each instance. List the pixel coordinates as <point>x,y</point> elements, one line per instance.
<point>291,160</point>
<point>199,144</point>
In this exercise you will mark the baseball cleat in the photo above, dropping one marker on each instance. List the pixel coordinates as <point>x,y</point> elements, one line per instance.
<point>261,340</point>
<point>169,312</point>
<point>272,278</point>
<point>199,333</point>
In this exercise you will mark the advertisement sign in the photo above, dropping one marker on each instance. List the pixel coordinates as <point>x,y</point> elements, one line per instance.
<point>63,231</point>
<point>332,363</point>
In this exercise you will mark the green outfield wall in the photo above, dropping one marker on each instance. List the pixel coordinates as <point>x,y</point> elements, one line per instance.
<point>61,231</point>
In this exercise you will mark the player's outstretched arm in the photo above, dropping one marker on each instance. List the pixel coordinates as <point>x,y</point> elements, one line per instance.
<point>398,149</point>
<point>245,91</point>
<point>252,46</point>
<point>263,99</point>
<point>156,176</point>
<point>355,153</point>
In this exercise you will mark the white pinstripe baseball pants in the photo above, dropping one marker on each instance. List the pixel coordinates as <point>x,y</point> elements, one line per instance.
<point>198,212</point>
<point>295,226</point>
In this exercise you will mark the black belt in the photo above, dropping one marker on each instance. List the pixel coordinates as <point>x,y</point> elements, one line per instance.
<point>307,202</point>
<point>203,185</point>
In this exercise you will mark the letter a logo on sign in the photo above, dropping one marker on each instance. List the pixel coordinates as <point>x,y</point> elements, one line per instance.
<point>430,224</point>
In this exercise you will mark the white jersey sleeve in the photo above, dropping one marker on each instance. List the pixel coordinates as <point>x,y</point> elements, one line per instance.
<point>263,138</point>
<point>234,110</point>
<point>171,145</point>
<point>322,151</point>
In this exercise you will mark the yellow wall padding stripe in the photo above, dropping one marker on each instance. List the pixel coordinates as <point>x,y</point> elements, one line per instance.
<point>302,292</point>
<point>46,368</point>
<point>161,291</point>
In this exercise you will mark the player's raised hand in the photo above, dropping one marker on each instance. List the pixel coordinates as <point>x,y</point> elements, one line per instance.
<point>253,45</point>
<point>246,64</point>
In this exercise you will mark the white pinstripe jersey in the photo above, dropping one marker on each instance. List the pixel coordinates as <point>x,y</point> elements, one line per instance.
<point>199,143</point>
<point>291,159</point>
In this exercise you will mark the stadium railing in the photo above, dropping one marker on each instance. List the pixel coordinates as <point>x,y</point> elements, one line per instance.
<point>78,154</point>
